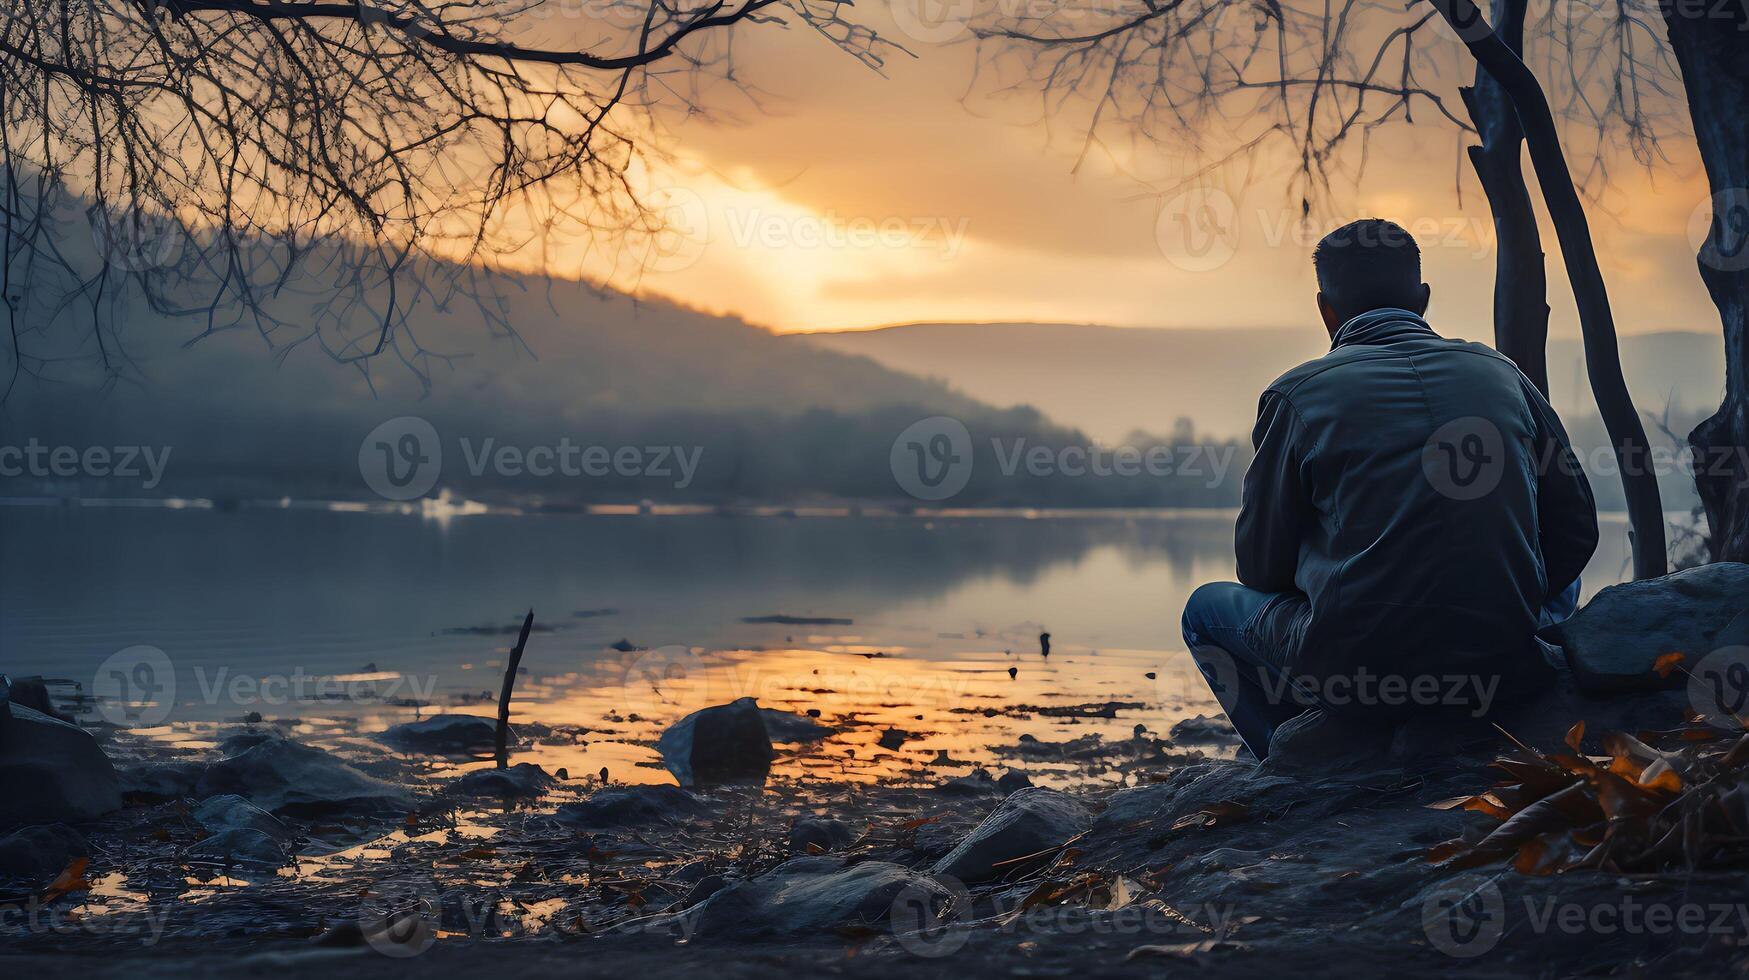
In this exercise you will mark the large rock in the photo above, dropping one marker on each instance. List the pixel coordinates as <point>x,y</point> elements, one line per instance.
<point>1332,742</point>
<point>1612,643</point>
<point>1328,744</point>
<point>809,896</point>
<point>52,771</point>
<point>444,734</point>
<point>288,777</point>
<point>39,853</point>
<point>1032,821</point>
<point>726,743</point>
<point>632,806</point>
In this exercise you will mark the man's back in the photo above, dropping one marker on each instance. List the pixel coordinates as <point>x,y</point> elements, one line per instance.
<point>1420,493</point>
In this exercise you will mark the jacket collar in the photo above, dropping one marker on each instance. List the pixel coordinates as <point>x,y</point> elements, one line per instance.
<point>1381,326</point>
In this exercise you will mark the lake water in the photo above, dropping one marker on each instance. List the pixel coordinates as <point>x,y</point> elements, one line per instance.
<point>334,622</point>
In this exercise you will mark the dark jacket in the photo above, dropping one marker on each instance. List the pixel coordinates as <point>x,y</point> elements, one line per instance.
<point>1421,493</point>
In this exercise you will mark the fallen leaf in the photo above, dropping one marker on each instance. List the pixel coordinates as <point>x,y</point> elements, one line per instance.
<point>71,879</point>
<point>1660,776</point>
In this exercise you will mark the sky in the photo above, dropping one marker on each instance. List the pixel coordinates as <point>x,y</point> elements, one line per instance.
<point>849,199</point>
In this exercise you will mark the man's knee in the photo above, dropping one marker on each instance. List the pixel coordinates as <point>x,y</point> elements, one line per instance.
<point>1203,610</point>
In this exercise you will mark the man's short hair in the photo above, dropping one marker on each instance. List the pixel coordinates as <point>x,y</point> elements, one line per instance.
<point>1368,265</point>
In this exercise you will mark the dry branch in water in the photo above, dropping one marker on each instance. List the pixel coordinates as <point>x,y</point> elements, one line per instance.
<point>511,666</point>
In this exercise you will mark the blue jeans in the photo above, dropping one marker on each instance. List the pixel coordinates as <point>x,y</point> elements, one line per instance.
<point>1247,674</point>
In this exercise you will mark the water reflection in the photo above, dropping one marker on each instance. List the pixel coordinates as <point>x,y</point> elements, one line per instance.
<point>293,612</point>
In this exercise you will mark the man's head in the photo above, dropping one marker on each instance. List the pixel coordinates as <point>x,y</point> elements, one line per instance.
<point>1368,265</point>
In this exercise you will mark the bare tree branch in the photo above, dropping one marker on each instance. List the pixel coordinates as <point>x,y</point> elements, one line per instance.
<point>313,171</point>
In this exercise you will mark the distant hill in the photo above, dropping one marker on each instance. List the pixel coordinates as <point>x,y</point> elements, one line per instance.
<point>1110,381</point>
<point>772,420</point>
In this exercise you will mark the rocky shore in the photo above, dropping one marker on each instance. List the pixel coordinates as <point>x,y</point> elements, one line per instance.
<point>1524,843</point>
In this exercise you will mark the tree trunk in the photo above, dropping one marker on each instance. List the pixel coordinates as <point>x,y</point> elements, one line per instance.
<point>1603,358</point>
<point>1521,309</point>
<point>1711,44</point>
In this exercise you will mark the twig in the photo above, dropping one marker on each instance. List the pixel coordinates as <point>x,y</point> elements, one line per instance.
<point>504,695</point>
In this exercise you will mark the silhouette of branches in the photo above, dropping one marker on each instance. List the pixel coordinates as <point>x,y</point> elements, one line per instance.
<point>1311,78</point>
<point>314,170</point>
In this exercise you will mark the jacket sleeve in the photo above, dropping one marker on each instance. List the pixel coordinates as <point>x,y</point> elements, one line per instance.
<point>1273,508</point>
<point>1566,512</point>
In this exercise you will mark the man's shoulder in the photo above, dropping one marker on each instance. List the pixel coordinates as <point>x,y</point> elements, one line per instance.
<point>1342,365</point>
<point>1317,368</point>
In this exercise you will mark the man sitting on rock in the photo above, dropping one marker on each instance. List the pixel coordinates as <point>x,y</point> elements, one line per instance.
<point>1413,514</point>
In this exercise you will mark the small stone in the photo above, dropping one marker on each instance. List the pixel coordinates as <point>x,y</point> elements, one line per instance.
<point>812,896</point>
<point>978,782</point>
<point>1202,730</point>
<point>1030,823</point>
<point>726,743</point>
<point>444,734</point>
<point>232,812</point>
<point>524,780</point>
<point>633,806</point>
<point>240,846</point>
<point>288,777</point>
<point>237,743</point>
<point>814,835</point>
